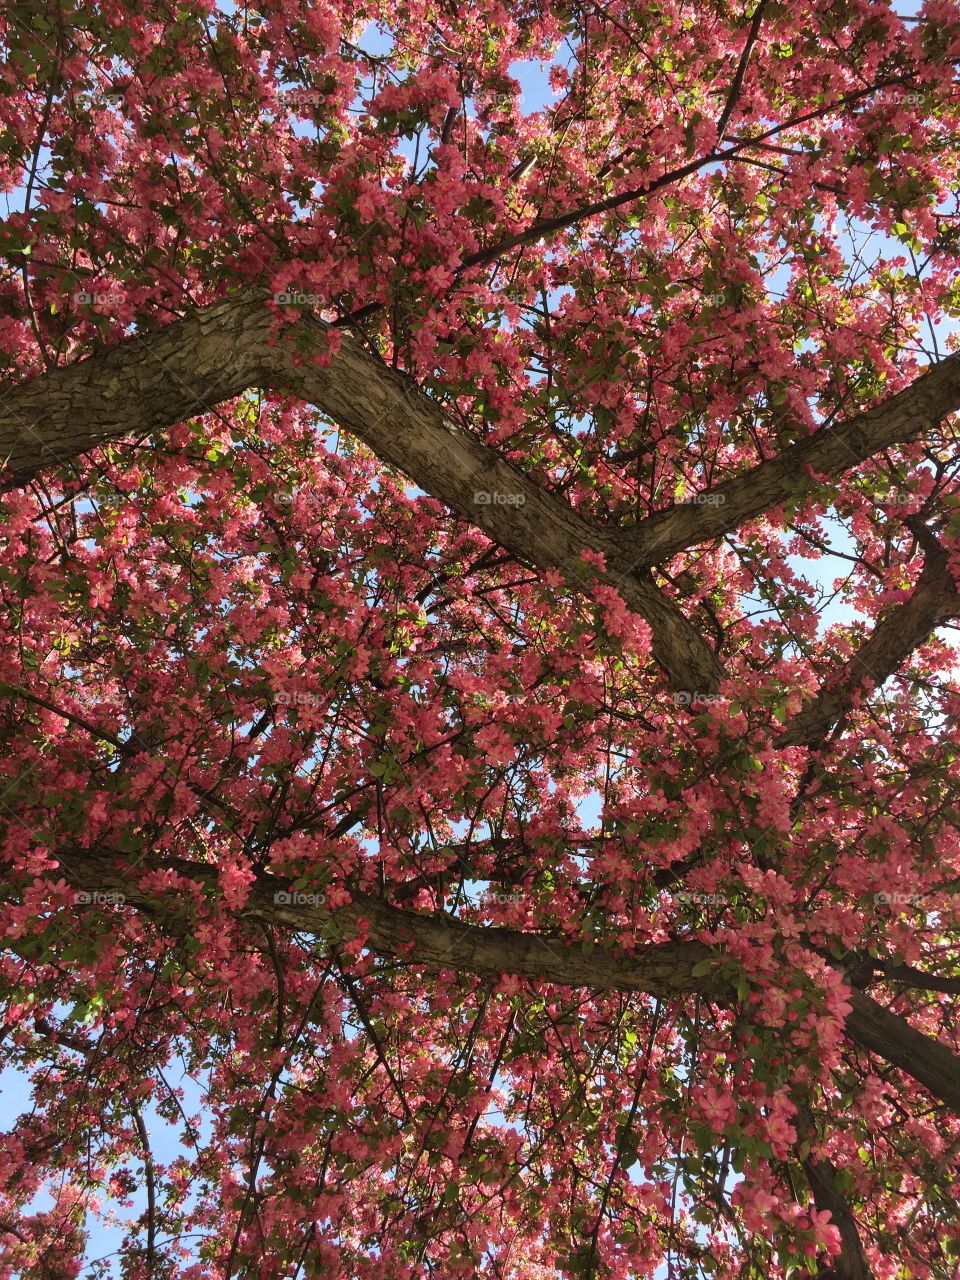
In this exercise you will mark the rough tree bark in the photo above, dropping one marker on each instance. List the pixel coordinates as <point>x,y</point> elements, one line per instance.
<point>666,970</point>
<point>219,351</point>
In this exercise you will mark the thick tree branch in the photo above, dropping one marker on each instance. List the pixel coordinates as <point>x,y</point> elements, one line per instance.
<point>143,383</point>
<point>905,975</point>
<point>829,452</point>
<point>892,1038</point>
<point>664,969</point>
<point>851,1263</point>
<point>190,365</point>
<point>406,429</point>
<point>934,600</point>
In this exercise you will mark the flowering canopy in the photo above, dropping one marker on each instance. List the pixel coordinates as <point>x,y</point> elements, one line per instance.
<point>424,738</point>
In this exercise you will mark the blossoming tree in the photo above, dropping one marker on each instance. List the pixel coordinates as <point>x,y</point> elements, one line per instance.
<point>423,728</point>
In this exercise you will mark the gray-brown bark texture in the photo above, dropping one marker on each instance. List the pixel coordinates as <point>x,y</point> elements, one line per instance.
<point>665,970</point>
<point>221,350</point>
